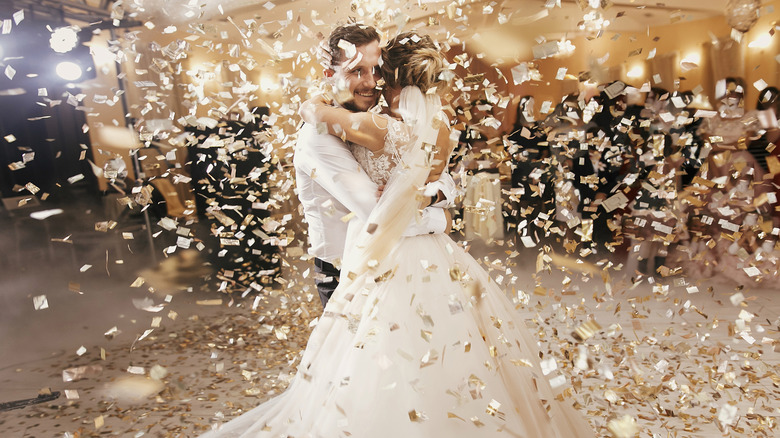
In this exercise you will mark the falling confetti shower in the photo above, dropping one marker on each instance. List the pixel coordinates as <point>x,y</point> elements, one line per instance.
<point>679,345</point>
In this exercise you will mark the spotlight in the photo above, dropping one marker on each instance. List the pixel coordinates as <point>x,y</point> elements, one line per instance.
<point>70,71</point>
<point>64,39</point>
<point>636,72</point>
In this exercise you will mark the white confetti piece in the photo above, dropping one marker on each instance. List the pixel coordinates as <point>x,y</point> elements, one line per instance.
<point>10,72</point>
<point>752,271</point>
<point>548,365</point>
<point>558,381</point>
<point>40,302</point>
<point>727,414</point>
<point>745,315</point>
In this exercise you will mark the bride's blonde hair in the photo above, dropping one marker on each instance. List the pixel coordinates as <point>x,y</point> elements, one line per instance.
<point>412,59</point>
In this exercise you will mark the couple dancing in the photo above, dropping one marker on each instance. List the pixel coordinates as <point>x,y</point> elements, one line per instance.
<point>416,341</point>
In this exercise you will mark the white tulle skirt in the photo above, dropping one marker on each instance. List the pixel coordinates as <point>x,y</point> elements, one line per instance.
<point>430,348</point>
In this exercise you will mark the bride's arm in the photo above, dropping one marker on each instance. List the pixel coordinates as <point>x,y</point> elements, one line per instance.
<point>363,128</point>
<point>369,130</point>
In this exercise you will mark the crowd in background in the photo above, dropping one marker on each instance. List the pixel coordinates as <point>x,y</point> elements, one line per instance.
<point>651,173</point>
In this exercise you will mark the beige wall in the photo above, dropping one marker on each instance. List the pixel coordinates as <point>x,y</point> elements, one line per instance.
<point>680,40</point>
<point>167,98</point>
<point>674,41</point>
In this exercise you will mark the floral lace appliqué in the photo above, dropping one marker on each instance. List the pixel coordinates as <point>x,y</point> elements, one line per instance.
<point>379,166</point>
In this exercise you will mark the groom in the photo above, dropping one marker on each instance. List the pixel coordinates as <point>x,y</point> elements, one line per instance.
<point>331,185</point>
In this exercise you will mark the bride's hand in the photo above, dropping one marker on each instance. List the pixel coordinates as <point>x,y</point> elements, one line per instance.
<point>448,216</point>
<point>308,109</point>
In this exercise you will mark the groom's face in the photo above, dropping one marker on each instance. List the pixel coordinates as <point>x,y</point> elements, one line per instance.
<point>357,76</point>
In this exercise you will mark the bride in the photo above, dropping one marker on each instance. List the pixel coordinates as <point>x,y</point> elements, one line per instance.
<point>417,341</point>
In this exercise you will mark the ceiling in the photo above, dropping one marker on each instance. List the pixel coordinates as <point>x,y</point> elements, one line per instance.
<point>525,16</point>
<point>502,29</point>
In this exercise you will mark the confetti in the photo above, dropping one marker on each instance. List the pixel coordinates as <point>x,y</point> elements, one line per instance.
<point>40,302</point>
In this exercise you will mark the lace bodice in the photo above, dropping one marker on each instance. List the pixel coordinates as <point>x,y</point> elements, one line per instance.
<point>379,165</point>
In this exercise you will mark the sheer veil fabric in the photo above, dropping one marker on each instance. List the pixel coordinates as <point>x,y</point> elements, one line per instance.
<point>417,341</point>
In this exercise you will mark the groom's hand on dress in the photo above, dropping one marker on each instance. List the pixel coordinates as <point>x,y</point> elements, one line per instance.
<point>448,215</point>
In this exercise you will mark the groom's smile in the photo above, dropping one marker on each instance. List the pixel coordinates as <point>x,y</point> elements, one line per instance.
<point>359,76</point>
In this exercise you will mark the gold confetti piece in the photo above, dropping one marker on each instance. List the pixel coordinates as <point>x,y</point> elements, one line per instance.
<point>455,273</point>
<point>493,409</point>
<point>99,422</point>
<point>75,287</point>
<point>83,372</point>
<point>452,415</point>
<point>214,302</point>
<point>586,330</point>
<point>416,416</point>
<point>623,427</point>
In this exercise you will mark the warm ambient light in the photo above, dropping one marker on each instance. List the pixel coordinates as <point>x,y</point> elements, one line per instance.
<point>762,42</point>
<point>690,61</point>
<point>693,57</point>
<point>267,84</point>
<point>636,72</point>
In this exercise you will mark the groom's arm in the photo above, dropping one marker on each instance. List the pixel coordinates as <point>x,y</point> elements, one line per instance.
<point>443,189</point>
<point>331,164</point>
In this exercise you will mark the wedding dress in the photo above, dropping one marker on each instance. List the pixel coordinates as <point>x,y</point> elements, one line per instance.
<point>417,341</point>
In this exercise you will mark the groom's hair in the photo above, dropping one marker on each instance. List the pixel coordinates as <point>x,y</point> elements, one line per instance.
<point>357,34</point>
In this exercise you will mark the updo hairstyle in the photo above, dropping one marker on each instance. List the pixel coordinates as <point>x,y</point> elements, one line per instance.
<point>412,59</point>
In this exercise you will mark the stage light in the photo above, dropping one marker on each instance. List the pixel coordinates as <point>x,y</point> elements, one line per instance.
<point>762,42</point>
<point>267,84</point>
<point>64,39</point>
<point>690,62</point>
<point>636,72</point>
<point>70,71</point>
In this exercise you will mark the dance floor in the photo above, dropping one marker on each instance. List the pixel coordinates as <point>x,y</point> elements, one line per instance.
<point>670,357</point>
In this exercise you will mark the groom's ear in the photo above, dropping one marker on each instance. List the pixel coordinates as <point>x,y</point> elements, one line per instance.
<point>328,72</point>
